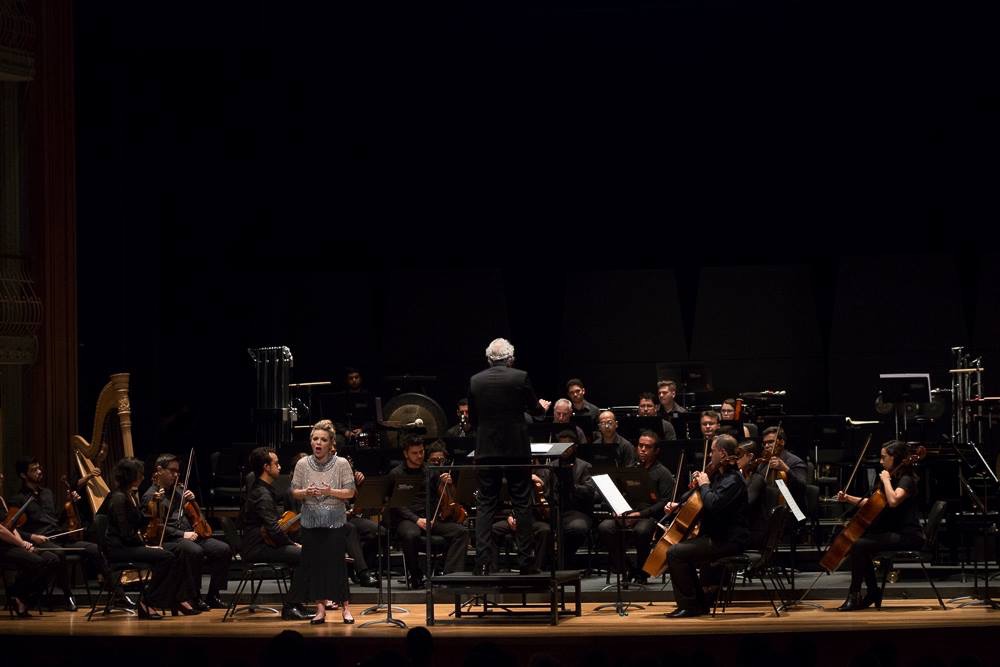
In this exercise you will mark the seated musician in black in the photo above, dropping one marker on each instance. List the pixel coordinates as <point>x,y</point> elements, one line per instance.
<point>263,541</point>
<point>541,529</point>
<point>35,569</point>
<point>411,522</point>
<point>607,435</point>
<point>170,585</point>
<point>896,527</point>
<point>44,520</point>
<point>762,491</point>
<point>361,540</point>
<point>181,536</point>
<point>576,498</point>
<point>642,520</point>
<point>463,429</point>
<point>723,532</point>
<point>648,407</point>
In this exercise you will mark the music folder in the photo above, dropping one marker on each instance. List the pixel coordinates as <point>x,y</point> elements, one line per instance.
<point>372,494</point>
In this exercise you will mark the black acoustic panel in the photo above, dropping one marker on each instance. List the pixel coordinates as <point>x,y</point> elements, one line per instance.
<point>430,316</point>
<point>897,303</point>
<point>751,312</point>
<point>622,316</point>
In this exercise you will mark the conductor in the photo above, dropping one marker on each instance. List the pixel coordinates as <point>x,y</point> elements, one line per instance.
<point>498,398</point>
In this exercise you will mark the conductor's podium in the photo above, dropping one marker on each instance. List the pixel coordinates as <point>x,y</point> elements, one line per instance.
<point>479,588</point>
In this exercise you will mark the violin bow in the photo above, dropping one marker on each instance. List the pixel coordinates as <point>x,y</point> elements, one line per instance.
<point>858,464</point>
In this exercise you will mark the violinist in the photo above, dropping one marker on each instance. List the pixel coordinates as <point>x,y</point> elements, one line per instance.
<point>775,462</point>
<point>896,527</point>
<point>642,520</point>
<point>411,522</point>
<point>723,531</point>
<point>180,536</point>
<point>261,514</point>
<point>35,569</point>
<point>44,520</point>
<point>170,584</point>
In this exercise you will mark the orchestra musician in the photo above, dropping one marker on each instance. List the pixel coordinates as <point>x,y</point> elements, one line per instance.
<point>709,423</point>
<point>168,492</point>
<point>762,493</point>
<point>576,499</point>
<point>897,526</point>
<point>411,522</point>
<point>463,429</point>
<point>44,520</point>
<point>728,413</point>
<point>642,520</point>
<point>171,584</point>
<point>577,398</point>
<point>35,570</point>
<point>666,392</point>
<point>647,408</point>
<point>260,515</point>
<point>607,434</point>
<point>562,411</point>
<point>723,532</point>
<point>322,482</point>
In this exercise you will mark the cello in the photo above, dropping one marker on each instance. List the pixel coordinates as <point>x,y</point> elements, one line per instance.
<point>679,529</point>
<point>867,513</point>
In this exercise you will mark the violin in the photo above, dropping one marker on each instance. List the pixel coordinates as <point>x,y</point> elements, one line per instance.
<point>72,515</point>
<point>15,516</point>
<point>288,523</point>
<point>198,521</point>
<point>541,503</point>
<point>449,509</point>
<point>156,527</point>
<point>866,514</point>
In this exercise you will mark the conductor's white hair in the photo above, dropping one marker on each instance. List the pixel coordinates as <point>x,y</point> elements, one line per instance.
<point>499,350</point>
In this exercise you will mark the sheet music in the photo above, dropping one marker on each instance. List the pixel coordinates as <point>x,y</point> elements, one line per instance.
<point>611,493</point>
<point>799,516</point>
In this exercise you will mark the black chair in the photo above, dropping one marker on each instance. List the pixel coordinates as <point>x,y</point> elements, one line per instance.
<point>253,575</point>
<point>73,562</point>
<point>112,588</point>
<point>226,486</point>
<point>925,555</point>
<point>754,564</point>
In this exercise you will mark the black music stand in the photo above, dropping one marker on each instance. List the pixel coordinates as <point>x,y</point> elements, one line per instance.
<point>399,493</point>
<point>902,388</point>
<point>635,486</point>
<point>986,600</point>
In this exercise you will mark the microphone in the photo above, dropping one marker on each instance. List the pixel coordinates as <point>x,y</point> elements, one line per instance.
<point>416,423</point>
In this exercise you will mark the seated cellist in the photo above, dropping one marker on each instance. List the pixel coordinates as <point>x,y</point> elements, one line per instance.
<point>723,531</point>
<point>896,527</point>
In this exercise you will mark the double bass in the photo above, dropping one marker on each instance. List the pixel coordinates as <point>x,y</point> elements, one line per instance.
<point>867,513</point>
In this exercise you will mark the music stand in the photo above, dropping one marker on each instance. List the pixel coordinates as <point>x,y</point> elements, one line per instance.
<point>609,489</point>
<point>401,495</point>
<point>986,600</point>
<point>902,388</point>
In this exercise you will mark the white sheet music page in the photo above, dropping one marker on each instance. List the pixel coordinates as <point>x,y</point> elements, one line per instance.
<point>799,516</point>
<point>611,493</point>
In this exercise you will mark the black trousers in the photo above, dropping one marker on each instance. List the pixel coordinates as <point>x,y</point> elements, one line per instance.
<point>870,544</point>
<point>638,536</point>
<point>683,561</point>
<point>541,533</point>
<point>91,555</point>
<point>519,487</point>
<point>35,570</point>
<point>288,554</point>
<point>362,542</point>
<point>576,527</point>
<point>171,581</point>
<point>214,553</point>
<point>411,539</point>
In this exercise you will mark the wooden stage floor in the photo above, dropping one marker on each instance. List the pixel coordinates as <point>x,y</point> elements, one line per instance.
<point>917,631</point>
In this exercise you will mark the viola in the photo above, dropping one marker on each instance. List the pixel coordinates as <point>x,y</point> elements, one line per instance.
<point>72,515</point>
<point>288,523</point>
<point>448,509</point>
<point>157,523</point>
<point>866,514</point>
<point>197,520</point>
<point>541,503</point>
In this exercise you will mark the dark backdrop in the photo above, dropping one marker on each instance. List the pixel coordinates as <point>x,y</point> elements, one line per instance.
<point>797,195</point>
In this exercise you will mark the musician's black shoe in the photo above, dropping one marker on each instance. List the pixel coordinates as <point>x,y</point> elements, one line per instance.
<point>530,570</point>
<point>291,612</point>
<point>200,605</point>
<point>70,603</point>
<point>685,613</point>
<point>367,579</point>
<point>639,577</point>
<point>852,603</point>
<point>870,599</point>
<point>416,581</point>
<point>214,602</point>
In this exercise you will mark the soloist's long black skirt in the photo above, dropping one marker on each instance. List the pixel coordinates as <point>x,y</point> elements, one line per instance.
<point>321,575</point>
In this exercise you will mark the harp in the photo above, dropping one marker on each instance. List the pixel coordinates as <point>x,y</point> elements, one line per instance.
<point>111,441</point>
